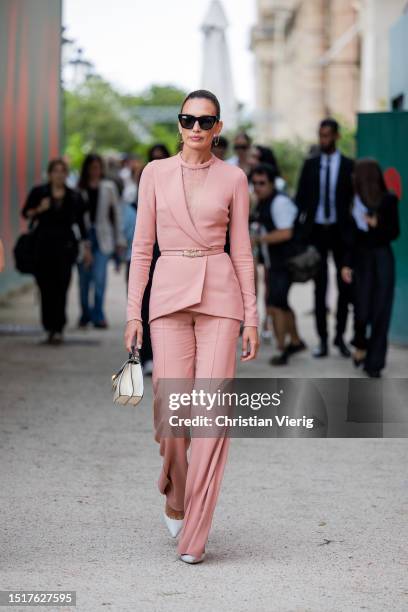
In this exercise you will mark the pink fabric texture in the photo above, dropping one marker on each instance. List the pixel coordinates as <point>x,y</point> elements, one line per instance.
<point>196,306</point>
<point>188,345</point>
<point>221,284</point>
<point>194,177</point>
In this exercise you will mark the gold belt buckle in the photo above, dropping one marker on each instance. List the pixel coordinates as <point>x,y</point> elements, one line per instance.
<point>192,253</point>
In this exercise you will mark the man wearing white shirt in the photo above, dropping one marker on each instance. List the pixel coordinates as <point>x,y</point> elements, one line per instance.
<point>276,214</point>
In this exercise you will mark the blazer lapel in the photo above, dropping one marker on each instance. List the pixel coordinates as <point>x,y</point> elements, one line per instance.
<point>173,191</point>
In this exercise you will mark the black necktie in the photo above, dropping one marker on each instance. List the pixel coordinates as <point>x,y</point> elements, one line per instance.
<point>327,191</point>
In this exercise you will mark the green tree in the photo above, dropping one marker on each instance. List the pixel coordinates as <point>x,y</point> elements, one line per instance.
<point>100,118</point>
<point>157,95</point>
<point>160,97</point>
<point>347,142</point>
<point>290,156</point>
<point>96,113</point>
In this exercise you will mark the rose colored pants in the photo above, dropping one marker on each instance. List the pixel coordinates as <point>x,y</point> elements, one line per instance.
<point>190,344</point>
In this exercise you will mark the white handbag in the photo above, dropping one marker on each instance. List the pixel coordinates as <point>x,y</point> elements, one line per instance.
<point>127,383</point>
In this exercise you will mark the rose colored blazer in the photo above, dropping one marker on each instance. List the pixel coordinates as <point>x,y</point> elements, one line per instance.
<point>217,284</point>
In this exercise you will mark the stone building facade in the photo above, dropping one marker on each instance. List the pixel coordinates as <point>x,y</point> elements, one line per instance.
<point>315,58</point>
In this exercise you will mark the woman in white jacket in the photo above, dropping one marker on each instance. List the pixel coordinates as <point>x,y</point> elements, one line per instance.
<point>103,219</point>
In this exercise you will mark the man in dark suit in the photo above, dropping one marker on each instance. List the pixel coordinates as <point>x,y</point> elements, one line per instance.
<point>324,198</point>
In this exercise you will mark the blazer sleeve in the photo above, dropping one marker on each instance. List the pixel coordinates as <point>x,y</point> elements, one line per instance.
<point>142,245</point>
<point>388,228</point>
<point>117,215</point>
<point>241,250</point>
<point>33,199</point>
<point>348,235</point>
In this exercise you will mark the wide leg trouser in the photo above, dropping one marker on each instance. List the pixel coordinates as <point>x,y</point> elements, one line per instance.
<point>375,285</point>
<point>188,344</point>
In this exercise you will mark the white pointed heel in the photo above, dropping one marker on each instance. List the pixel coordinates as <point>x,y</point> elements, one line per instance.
<point>191,559</point>
<point>173,525</point>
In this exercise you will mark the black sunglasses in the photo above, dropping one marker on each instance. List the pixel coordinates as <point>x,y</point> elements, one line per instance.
<point>206,122</point>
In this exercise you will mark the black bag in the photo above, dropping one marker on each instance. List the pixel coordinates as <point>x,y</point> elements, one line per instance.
<point>25,252</point>
<point>305,264</point>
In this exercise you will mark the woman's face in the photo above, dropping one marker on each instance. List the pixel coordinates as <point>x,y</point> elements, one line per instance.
<point>95,171</point>
<point>241,148</point>
<point>58,175</point>
<point>196,138</point>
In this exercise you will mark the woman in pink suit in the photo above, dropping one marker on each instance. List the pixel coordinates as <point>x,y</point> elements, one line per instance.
<point>199,297</point>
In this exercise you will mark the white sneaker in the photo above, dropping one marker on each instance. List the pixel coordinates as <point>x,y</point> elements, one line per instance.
<point>191,559</point>
<point>173,525</point>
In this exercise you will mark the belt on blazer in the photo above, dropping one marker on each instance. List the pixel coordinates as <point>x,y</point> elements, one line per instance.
<point>193,252</point>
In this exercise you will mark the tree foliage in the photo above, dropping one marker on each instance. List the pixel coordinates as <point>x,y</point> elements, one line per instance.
<point>95,111</point>
<point>100,118</point>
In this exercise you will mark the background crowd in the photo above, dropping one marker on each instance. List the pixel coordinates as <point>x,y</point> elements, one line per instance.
<point>340,206</point>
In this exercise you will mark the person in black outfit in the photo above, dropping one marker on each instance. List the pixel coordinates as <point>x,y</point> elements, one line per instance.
<point>55,209</point>
<point>276,213</point>
<point>323,197</point>
<point>373,225</point>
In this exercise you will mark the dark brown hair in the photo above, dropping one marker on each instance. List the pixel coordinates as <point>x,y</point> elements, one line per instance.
<point>203,93</point>
<point>369,182</point>
<point>58,161</point>
<point>89,159</point>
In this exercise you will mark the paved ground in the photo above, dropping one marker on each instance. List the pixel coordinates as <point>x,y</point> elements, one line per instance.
<point>301,525</point>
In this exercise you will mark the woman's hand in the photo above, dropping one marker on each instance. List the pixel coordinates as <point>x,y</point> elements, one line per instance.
<point>346,274</point>
<point>249,337</point>
<point>372,220</point>
<point>120,251</point>
<point>133,334</point>
<point>44,205</point>
<point>88,257</point>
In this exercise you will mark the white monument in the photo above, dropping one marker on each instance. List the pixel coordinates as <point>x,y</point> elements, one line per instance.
<point>217,74</point>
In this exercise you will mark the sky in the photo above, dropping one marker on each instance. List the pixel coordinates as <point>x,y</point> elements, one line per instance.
<point>134,43</point>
